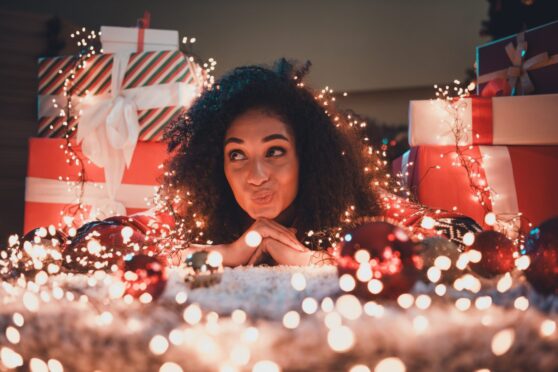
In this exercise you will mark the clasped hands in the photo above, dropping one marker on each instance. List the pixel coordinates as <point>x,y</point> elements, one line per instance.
<point>278,241</point>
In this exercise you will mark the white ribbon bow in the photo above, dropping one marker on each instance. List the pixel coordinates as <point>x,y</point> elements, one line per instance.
<point>108,132</point>
<point>109,129</point>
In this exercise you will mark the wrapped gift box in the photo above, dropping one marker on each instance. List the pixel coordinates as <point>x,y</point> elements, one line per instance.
<point>519,120</point>
<point>47,193</point>
<point>125,39</point>
<point>529,58</point>
<point>159,83</point>
<point>523,178</point>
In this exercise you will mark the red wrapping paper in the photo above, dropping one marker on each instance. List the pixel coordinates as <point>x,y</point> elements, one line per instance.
<point>436,183</point>
<point>47,162</point>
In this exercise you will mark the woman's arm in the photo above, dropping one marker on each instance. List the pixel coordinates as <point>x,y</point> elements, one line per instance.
<point>234,254</point>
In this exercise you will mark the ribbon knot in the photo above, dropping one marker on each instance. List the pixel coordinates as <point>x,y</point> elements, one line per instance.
<point>516,78</point>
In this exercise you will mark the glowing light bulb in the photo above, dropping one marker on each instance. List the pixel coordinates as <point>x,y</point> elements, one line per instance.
<point>502,341</point>
<point>158,345</point>
<point>298,281</point>
<point>347,283</point>
<point>253,239</point>
<point>340,339</point>
<point>170,367</point>
<point>266,366</point>
<point>309,305</point>
<point>390,365</point>
<point>349,307</point>
<point>291,319</point>
<point>490,219</point>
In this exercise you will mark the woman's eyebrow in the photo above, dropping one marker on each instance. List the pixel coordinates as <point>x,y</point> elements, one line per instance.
<point>232,140</point>
<point>274,136</point>
<point>271,137</point>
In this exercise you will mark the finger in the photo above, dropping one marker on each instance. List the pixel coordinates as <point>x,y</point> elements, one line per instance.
<point>283,231</point>
<point>255,257</point>
<point>284,256</point>
<point>270,232</point>
<point>272,243</point>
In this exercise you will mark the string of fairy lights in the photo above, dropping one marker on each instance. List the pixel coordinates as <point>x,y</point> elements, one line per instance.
<point>40,256</point>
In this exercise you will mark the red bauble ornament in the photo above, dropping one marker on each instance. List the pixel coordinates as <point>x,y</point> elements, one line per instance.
<point>47,237</point>
<point>542,248</point>
<point>36,250</point>
<point>497,254</point>
<point>143,274</point>
<point>100,244</point>
<point>385,253</point>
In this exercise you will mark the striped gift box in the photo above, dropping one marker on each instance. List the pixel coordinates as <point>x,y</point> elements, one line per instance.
<point>144,69</point>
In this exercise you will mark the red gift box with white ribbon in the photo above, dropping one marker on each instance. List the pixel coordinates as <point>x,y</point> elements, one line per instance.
<point>518,120</point>
<point>520,179</point>
<point>51,182</point>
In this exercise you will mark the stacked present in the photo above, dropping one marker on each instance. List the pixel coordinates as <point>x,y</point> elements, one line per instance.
<point>492,156</point>
<point>101,125</point>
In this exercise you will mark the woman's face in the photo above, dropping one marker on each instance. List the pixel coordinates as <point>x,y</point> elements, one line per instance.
<point>261,164</point>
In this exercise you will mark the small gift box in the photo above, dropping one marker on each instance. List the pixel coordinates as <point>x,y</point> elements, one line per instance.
<point>525,63</point>
<point>51,188</point>
<point>518,178</point>
<point>521,120</point>
<point>156,86</point>
<point>137,39</point>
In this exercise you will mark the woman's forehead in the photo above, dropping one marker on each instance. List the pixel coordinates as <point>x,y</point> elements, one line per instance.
<point>256,125</point>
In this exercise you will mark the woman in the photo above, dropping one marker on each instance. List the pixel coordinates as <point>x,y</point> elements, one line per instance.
<point>258,152</point>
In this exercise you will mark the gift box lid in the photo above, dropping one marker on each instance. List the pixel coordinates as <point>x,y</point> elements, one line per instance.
<point>125,39</point>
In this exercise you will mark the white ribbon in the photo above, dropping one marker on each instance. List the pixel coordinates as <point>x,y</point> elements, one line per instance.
<point>44,190</point>
<point>498,170</point>
<point>405,168</point>
<point>108,127</point>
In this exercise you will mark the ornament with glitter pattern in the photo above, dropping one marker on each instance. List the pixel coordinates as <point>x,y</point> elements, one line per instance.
<point>393,259</point>
<point>100,244</point>
<point>541,246</point>
<point>143,274</point>
<point>497,254</point>
<point>443,254</point>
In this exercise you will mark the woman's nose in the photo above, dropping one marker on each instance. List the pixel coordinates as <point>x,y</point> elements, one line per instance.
<point>257,173</point>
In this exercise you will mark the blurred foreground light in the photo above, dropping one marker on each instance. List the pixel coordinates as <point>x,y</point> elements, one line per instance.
<point>170,367</point>
<point>390,365</point>
<point>266,366</point>
<point>502,341</point>
<point>340,339</point>
<point>298,281</point>
<point>253,239</point>
<point>548,327</point>
<point>347,283</point>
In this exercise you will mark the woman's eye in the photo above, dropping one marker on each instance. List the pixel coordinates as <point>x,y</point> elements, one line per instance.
<point>236,155</point>
<point>275,152</point>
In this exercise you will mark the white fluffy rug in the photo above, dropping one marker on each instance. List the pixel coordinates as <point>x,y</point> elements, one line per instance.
<point>108,334</point>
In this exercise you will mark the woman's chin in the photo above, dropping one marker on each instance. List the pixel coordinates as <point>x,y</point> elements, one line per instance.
<point>269,213</point>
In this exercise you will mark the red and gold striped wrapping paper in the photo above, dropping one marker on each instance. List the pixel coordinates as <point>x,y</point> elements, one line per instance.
<point>144,69</point>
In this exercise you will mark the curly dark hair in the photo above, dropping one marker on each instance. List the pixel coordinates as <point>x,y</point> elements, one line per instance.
<point>332,176</point>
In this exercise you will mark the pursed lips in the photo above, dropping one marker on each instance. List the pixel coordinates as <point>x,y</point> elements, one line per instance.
<point>262,196</point>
